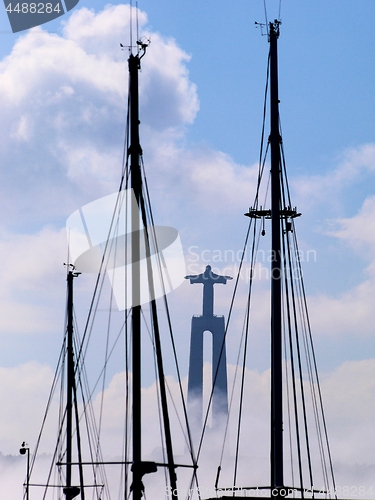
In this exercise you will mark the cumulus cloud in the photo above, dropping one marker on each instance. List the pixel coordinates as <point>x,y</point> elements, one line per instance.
<point>64,104</point>
<point>204,182</point>
<point>350,311</point>
<point>347,396</point>
<point>31,271</point>
<point>27,388</point>
<point>358,231</point>
<point>64,100</point>
<point>353,166</point>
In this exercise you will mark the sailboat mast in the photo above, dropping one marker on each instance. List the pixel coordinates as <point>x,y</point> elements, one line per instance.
<point>69,490</point>
<point>136,185</point>
<point>70,377</point>
<point>277,478</point>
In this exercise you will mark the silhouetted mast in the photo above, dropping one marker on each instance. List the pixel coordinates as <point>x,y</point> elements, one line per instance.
<point>136,184</point>
<point>277,475</point>
<point>289,321</point>
<point>69,490</point>
<point>139,230</point>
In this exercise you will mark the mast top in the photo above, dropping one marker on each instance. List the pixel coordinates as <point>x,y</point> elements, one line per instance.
<point>142,45</point>
<point>274,29</point>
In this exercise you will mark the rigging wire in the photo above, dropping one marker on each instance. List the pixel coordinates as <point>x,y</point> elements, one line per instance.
<point>114,223</point>
<point>310,354</point>
<point>289,329</point>
<point>55,380</point>
<point>130,26</point>
<point>315,371</point>
<point>162,436</point>
<point>288,397</point>
<point>169,322</point>
<point>243,253</point>
<point>160,264</point>
<point>136,14</point>
<point>152,237</point>
<point>255,246</point>
<point>265,13</point>
<point>262,160</point>
<point>106,252</point>
<point>247,321</point>
<point>297,341</point>
<point>92,431</point>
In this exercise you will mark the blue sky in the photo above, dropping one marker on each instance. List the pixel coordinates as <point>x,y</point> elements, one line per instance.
<point>63,101</point>
<point>326,75</point>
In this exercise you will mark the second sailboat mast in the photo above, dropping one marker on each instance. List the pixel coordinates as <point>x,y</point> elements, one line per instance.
<point>136,185</point>
<point>277,478</point>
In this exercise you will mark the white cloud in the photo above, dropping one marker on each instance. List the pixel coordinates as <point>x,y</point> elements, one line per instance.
<point>351,311</point>
<point>23,397</point>
<point>165,81</point>
<point>348,313</point>
<point>32,266</point>
<point>64,108</point>
<point>347,392</point>
<point>101,33</point>
<point>219,184</point>
<point>358,231</point>
<point>349,395</point>
<point>64,111</point>
<point>23,130</point>
<point>63,101</point>
<point>200,180</point>
<point>327,189</point>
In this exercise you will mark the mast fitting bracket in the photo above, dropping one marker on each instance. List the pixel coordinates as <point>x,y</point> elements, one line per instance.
<point>285,213</point>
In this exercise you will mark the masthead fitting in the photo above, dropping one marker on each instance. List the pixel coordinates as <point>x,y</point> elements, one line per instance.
<point>274,29</point>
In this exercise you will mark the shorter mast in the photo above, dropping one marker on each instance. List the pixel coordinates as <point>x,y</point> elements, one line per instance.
<point>277,473</point>
<point>136,185</point>
<point>69,490</point>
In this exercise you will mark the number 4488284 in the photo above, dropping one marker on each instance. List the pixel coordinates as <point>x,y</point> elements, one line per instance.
<point>33,8</point>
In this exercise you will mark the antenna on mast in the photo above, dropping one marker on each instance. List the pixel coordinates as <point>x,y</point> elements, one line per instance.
<point>130,26</point>
<point>262,26</point>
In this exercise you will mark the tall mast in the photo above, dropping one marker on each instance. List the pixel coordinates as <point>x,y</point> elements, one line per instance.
<point>139,229</point>
<point>277,478</point>
<point>69,490</point>
<point>136,185</point>
<point>289,314</point>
